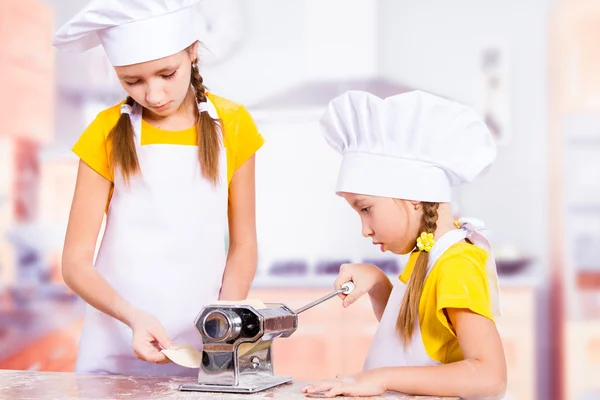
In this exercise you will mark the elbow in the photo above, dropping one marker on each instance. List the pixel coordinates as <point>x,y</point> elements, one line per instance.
<point>492,391</point>
<point>501,384</point>
<point>492,386</point>
<point>497,382</point>
<point>496,390</point>
<point>68,270</point>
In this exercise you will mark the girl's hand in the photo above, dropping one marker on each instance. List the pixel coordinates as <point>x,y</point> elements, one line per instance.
<point>149,338</point>
<point>368,383</point>
<point>364,276</point>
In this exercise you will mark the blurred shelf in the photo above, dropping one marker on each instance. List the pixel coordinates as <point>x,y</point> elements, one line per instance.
<point>588,279</point>
<point>588,141</point>
<point>583,207</point>
<point>79,96</point>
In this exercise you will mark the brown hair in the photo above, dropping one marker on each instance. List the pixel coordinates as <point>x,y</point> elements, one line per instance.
<point>405,324</point>
<point>123,154</point>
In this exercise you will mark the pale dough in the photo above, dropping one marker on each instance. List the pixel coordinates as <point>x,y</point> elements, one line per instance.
<point>184,355</point>
<point>187,356</point>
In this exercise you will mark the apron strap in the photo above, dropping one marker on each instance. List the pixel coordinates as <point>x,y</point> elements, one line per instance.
<point>136,122</point>
<point>473,230</point>
<point>136,119</point>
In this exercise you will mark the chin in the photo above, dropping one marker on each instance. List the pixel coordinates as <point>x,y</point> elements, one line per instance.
<point>165,113</point>
<point>402,251</point>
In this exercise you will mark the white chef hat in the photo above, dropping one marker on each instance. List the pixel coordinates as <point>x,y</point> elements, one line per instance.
<point>412,146</point>
<point>131,31</point>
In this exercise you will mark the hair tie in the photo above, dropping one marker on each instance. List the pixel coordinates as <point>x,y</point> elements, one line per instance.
<point>203,106</point>
<point>125,108</point>
<point>425,242</point>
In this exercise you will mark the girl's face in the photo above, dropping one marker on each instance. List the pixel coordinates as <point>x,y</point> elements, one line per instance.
<point>160,85</point>
<point>392,224</point>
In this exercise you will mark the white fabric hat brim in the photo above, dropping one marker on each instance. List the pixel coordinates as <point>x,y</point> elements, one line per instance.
<point>384,176</point>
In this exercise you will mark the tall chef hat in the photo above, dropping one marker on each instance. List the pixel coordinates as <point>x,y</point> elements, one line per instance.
<point>131,31</point>
<point>412,146</point>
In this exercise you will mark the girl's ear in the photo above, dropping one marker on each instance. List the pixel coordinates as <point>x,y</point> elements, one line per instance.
<point>193,51</point>
<point>416,204</point>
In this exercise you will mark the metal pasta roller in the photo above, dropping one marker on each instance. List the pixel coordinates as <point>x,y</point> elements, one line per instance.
<point>237,339</point>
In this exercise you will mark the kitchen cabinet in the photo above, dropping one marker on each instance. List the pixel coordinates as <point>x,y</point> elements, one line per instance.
<point>54,351</point>
<point>7,272</point>
<point>28,104</point>
<point>41,334</point>
<point>574,198</point>
<point>57,184</point>
<point>27,111</point>
<point>582,361</point>
<point>517,331</point>
<point>27,69</point>
<point>32,47</point>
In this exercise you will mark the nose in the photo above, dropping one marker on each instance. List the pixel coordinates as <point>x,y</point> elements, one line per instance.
<point>366,230</point>
<point>154,94</point>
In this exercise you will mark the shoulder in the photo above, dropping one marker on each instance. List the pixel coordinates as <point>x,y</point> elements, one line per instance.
<point>237,121</point>
<point>462,259</point>
<point>461,281</point>
<point>236,118</point>
<point>241,134</point>
<point>106,119</point>
<point>227,109</point>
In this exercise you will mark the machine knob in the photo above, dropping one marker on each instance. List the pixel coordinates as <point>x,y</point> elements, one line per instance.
<point>348,287</point>
<point>222,325</point>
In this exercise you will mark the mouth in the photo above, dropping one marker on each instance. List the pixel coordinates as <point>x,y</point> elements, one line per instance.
<point>162,107</point>
<point>382,246</point>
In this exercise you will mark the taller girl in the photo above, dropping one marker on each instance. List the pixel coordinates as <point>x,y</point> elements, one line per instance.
<point>173,167</point>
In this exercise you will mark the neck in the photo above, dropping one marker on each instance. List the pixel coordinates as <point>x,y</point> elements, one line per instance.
<point>445,222</point>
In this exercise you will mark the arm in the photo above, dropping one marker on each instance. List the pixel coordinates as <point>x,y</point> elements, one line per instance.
<point>243,254</point>
<point>367,278</point>
<point>482,373</point>
<point>379,295</point>
<point>79,273</point>
<point>85,219</point>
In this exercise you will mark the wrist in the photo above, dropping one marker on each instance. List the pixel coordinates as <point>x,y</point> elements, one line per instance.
<point>385,378</point>
<point>127,314</point>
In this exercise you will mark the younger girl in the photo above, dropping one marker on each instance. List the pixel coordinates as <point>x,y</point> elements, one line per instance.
<point>401,157</point>
<point>174,168</point>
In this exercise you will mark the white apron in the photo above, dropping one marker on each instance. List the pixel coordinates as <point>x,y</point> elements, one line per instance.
<point>163,250</point>
<point>387,349</point>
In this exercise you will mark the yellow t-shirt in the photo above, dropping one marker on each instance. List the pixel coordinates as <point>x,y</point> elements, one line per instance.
<point>240,137</point>
<point>457,280</point>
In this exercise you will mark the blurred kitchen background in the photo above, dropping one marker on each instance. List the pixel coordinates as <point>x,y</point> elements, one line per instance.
<point>531,68</point>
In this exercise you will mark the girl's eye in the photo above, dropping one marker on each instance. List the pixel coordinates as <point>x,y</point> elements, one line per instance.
<point>170,76</point>
<point>132,83</point>
<point>365,209</point>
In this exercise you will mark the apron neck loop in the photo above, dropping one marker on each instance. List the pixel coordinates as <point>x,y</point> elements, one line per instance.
<point>137,111</point>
